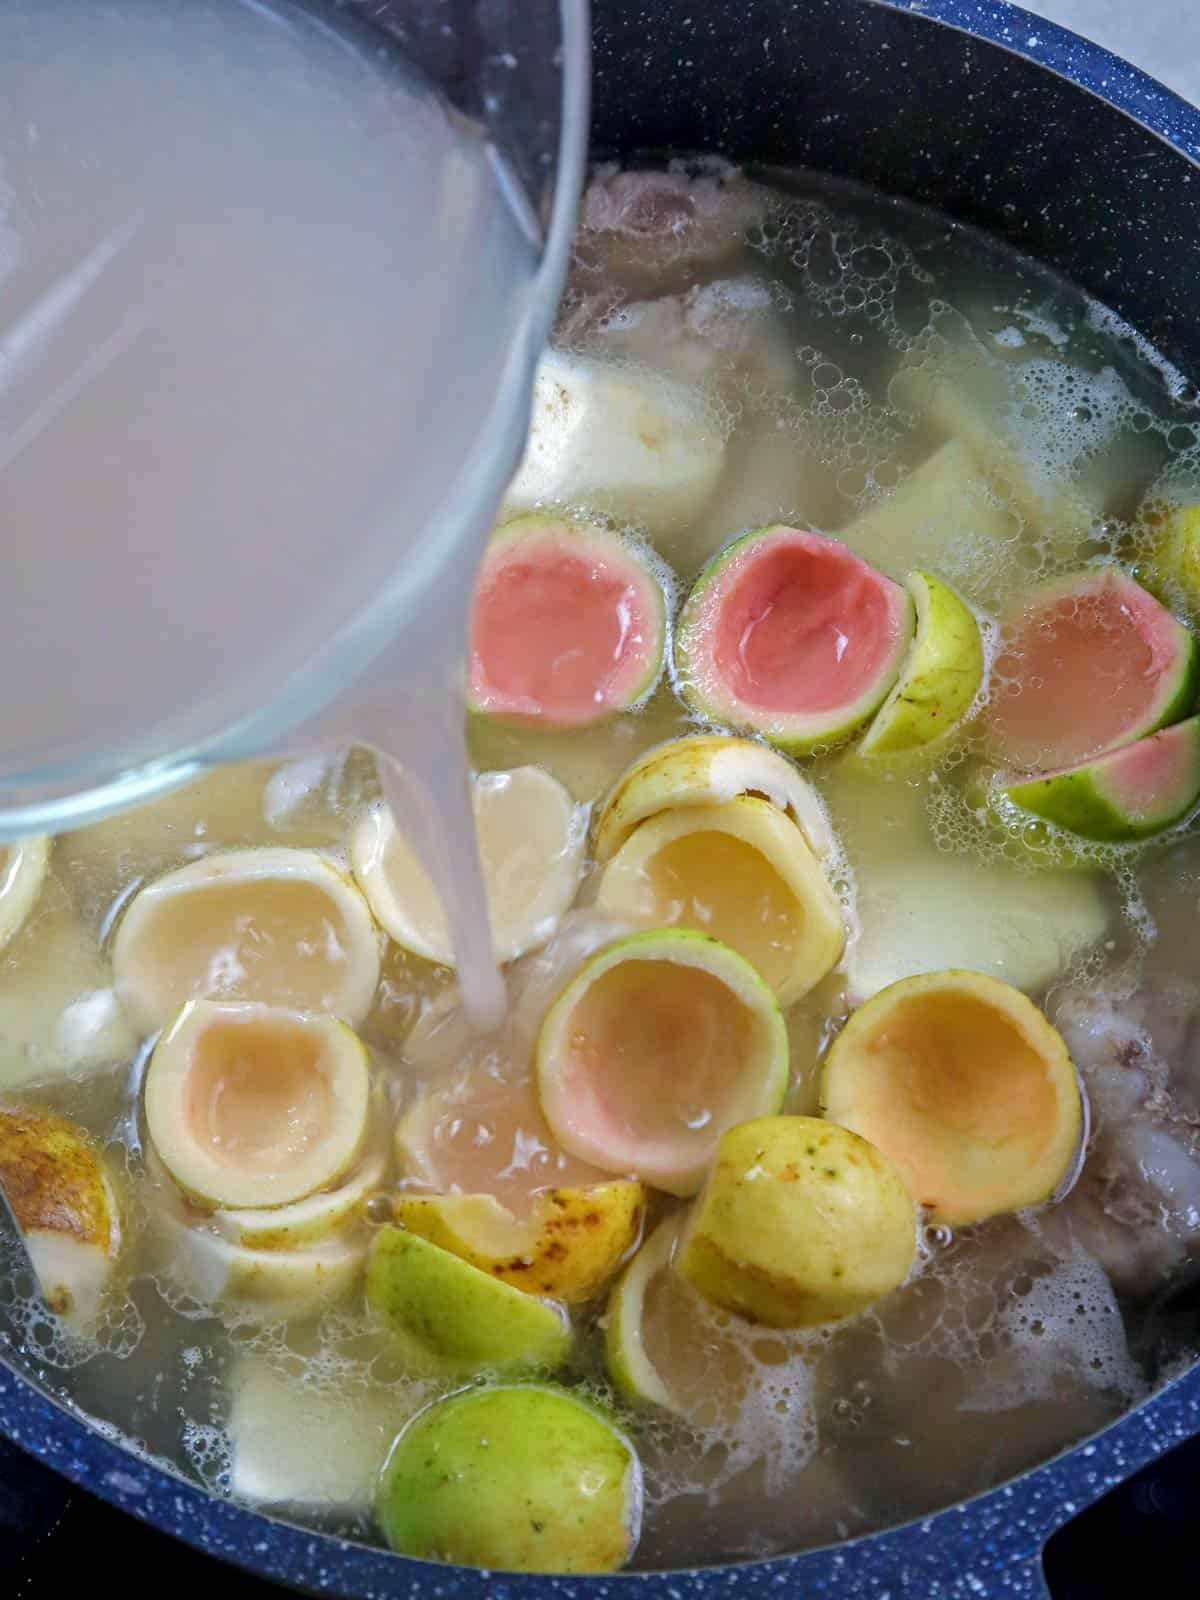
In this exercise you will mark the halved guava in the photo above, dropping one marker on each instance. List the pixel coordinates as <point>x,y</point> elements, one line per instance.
<point>790,635</point>
<point>281,926</point>
<point>657,1045</point>
<point>568,1247</point>
<point>53,1176</point>
<point>531,839</point>
<point>941,675</point>
<point>1131,793</point>
<point>517,1478</point>
<point>252,1106</point>
<point>448,1316</point>
<point>963,1082</point>
<point>570,624</point>
<point>325,1215</point>
<point>741,872</point>
<point>707,769</point>
<point>1088,663</point>
<point>801,1222</point>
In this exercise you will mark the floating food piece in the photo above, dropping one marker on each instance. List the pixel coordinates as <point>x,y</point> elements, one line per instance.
<point>790,635</point>
<point>941,675</point>
<point>642,232</point>
<point>522,1478</point>
<point>740,872</point>
<point>455,1318</point>
<point>963,1082</point>
<point>259,1286</point>
<point>531,841</point>
<point>922,908</point>
<point>568,1247</point>
<point>618,440</point>
<point>708,769</point>
<point>1131,793</point>
<point>655,1047</point>
<point>54,1178</point>
<point>625,1354</point>
<point>22,870</point>
<point>1174,564</point>
<point>801,1222</point>
<point>727,333</point>
<point>569,626</point>
<point>59,1014</point>
<point>947,490</point>
<point>295,1444</point>
<point>1096,663</point>
<point>252,1105</point>
<point>309,1221</point>
<point>918,916</point>
<point>275,925</point>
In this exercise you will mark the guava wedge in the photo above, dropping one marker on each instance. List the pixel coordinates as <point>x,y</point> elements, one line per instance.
<point>1174,564</point>
<point>316,1218</point>
<point>790,635</point>
<point>567,1248</point>
<point>963,1082</point>
<point>801,1222</point>
<point>665,1346</point>
<point>1131,793</point>
<point>258,1287</point>
<point>531,841</point>
<point>707,769</point>
<point>519,1478</point>
<point>570,624</point>
<point>276,925</point>
<point>657,1045</point>
<point>22,870</point>
<point>453,1318</point>
<point>740,872</point>
<point>1096,663</point>
<point>941,675</point>
<point>55,1180</point>
<point>619,440</point>
<point>625,1355</point>
<point>251,1106</point>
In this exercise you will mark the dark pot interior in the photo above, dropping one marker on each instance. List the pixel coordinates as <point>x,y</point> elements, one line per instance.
<point>1068,155</point>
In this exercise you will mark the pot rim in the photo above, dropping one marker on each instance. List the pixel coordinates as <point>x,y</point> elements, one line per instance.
<point>997,1537</point>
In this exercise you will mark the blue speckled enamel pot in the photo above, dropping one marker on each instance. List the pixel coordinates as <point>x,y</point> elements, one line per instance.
<point>1001,119</point>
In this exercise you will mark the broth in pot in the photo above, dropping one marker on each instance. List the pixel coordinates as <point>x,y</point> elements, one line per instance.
<point>830,705</point>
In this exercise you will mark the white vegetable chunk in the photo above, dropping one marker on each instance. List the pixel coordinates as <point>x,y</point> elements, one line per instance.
<point>618,442</point>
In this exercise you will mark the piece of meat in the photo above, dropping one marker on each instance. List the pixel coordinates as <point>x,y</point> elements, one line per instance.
<point>649,233</point>
<point>1136,1205</point>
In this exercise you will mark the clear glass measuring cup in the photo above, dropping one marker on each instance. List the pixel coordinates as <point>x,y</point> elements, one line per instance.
<point>273,279</point>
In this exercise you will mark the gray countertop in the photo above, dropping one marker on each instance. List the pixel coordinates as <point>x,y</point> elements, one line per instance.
<point>1160,36</point>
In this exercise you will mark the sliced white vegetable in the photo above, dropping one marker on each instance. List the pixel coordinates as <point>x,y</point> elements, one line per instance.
<point>294,1444</point>
<point>921,909</point>
<point>618,441</point>
<point>531,839</point>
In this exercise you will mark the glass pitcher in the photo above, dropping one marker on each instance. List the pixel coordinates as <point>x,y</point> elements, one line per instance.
<point>274,275</point>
